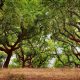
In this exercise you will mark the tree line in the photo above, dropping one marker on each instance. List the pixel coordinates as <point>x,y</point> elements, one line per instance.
<point>34,30</point>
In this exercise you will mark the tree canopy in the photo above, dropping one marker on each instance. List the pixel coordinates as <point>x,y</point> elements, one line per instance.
<point>39,30</point>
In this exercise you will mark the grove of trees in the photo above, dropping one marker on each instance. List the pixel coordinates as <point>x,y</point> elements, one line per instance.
<point>38,30</point>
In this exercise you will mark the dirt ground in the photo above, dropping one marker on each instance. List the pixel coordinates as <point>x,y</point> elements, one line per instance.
<point>43,74</point>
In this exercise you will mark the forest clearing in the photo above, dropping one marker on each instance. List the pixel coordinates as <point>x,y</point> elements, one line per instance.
<point>41,74</point>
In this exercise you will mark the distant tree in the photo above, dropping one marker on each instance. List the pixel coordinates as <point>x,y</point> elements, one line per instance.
<point>65,21</point>
<point>36,55</point>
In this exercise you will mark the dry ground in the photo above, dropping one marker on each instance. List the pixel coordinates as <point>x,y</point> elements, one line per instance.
<point>43,74</point>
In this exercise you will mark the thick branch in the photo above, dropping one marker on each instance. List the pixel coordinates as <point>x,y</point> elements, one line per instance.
<point>59,58</point>
<point>74,39</point>
<point>16,43</point>
<point>73,12</point>
<point>75,25</point>
<point>16,48</point>
<point>71,37</point>
<point>75,53</point>
<point>2,49</point>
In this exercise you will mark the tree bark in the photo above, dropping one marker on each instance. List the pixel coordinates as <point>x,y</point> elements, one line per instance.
<point>23,64</point>
<point>7,60</point>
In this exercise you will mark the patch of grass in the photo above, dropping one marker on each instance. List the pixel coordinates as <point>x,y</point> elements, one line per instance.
<point>16,77</point>
<point>40,74</point>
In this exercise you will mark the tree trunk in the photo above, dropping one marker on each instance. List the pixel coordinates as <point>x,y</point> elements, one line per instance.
<point>23,64</point>
<point>7,60</point>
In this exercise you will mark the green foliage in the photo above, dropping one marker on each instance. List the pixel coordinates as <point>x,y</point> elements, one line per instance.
<point>65,25</point>
<point>15,63</point>
<point>41,60</point>
<point>40,27</point>
<point>59,64</point>
<point>2,57</point>
<point>71,63</point>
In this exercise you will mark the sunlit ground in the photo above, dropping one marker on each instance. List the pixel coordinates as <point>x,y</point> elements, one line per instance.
<point>43,74</point>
